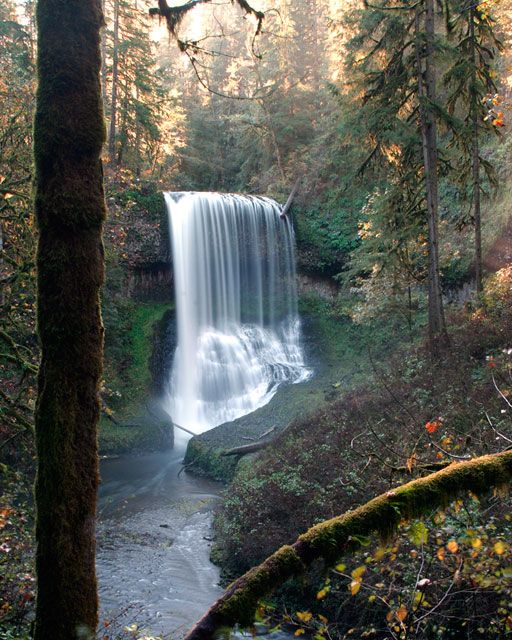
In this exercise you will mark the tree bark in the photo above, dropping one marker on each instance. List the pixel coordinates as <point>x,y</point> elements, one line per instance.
<point>70,210</point>
<point>330,539</point>
<point>438,335</point>
<point>115,80</point>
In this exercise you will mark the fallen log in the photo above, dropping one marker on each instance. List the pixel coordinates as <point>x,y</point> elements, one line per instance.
<point>243,450</point>
<point>246,448</point>
<point>330,539</point>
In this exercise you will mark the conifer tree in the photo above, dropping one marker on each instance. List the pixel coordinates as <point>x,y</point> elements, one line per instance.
<point>393,56</point>
<point>470,83</point>
<point>424,45</point>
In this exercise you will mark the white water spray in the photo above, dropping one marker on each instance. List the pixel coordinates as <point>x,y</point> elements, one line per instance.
<point>236,304</point>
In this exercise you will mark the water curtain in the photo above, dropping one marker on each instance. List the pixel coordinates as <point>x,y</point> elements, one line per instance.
<point>236,305</point>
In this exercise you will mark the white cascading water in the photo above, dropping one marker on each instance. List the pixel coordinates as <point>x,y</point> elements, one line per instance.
<point>236,305</point>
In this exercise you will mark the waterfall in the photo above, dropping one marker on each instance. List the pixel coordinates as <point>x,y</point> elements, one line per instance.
<point>236,304</point>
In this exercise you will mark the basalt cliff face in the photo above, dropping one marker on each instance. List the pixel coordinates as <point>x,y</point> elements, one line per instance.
<point>137,240</point>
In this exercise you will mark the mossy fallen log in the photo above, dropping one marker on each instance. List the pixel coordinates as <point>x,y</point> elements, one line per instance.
<point>330,539</point>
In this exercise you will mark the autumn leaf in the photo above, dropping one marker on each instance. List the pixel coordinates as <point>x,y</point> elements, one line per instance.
<point>500,547</point>
<point>401,613</point>
<point>380,553</point>
<point>452,546</point>
<point>4,515</point>
<point>411,462</point>
<point>357,573</point>
<point>355,585</point>
<point>499,120</point>
<point>304,616</point>
<point>432,426</point>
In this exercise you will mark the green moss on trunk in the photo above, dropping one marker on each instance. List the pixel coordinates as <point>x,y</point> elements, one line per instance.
<point>70,209</point>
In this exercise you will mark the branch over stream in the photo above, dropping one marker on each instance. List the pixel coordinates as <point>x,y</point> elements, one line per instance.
<point>330,539</point>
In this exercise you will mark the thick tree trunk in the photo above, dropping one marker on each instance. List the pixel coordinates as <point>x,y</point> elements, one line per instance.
<point>438,335</point>
<point>115,80</point>
<point>475,157</point>
<point>69,201</point>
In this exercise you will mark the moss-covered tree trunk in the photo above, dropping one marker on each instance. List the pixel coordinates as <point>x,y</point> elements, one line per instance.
<point>70,209</point>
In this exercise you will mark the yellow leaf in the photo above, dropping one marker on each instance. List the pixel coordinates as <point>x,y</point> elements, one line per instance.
<point>357,573</point>
<point>322,619</point>
<point>452,546</point>
<point>299,632</point>
<point>500,547</point>
<point>355,585</point>
<point>321,594</point>
<point>304,616</point>
<point>372,598</point>
<point>476,543</point>
<point>380,553</point>
<point>340,567</point>
<point>441,554</point>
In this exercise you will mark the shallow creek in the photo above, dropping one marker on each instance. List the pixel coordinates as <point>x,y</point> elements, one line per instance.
<point>153,543</point>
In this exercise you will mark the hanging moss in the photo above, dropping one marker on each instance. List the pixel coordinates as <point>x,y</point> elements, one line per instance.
<point>69,203</point>
<point>330,539</point>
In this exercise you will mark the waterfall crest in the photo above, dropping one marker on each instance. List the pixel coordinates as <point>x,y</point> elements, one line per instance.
<point>236,305</point>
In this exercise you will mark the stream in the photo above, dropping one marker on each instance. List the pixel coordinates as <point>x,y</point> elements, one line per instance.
<point>153,544</point>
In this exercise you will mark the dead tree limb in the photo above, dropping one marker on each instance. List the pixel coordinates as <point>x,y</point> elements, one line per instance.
<point>330,539</point>
<point>291,198</point>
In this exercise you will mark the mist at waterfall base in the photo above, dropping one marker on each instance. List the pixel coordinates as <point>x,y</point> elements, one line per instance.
<point>236,305</point>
